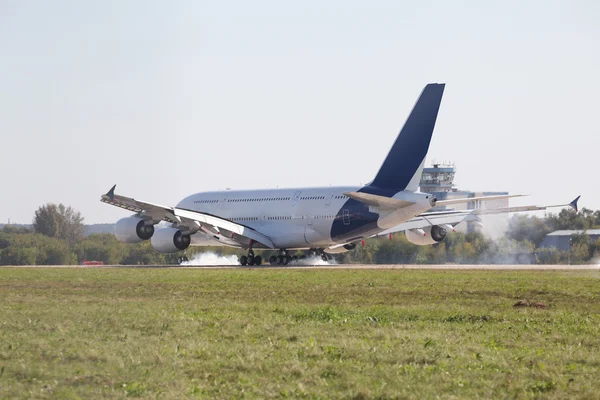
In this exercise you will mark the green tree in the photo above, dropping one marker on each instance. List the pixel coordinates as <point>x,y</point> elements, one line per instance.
<point>18,256</point>
<point>569,219</point>
<point>59,221</point>
<point>102,247</point>
<point>529,228</point>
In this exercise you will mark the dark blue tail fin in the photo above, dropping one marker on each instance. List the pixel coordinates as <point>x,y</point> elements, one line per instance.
<point>403,166</point>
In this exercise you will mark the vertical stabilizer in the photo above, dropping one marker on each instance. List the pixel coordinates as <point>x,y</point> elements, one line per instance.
<point>403,165</point>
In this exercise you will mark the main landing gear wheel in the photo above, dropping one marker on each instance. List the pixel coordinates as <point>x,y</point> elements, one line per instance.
<point>273,260</point>
<point>283,260</point>
<point>250,259</point>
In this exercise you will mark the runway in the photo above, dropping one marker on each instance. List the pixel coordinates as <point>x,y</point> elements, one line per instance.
<point>489,267</point>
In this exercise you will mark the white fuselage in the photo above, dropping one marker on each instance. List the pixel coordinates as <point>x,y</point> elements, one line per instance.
<point>302,217</point>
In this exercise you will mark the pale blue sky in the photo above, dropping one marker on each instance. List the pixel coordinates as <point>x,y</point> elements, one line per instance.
<point>170,98</point>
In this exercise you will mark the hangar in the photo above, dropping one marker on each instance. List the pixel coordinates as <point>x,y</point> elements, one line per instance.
<point>560,240</point>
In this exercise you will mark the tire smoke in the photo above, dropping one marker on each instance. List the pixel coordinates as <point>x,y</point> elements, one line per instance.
<point>211,259</point>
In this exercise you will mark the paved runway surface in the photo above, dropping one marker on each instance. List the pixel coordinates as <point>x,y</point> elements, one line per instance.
<point>493,267</point>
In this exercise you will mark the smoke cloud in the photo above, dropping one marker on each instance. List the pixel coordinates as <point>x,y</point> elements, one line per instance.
<point>211,259</point>
<point>208,259</point>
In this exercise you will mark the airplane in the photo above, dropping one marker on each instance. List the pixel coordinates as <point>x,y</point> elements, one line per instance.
<point>327,220</point>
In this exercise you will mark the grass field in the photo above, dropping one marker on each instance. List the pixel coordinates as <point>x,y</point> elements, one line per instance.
<point>177,333</point>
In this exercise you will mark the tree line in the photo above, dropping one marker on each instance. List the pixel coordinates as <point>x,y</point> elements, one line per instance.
<point>56,238</point>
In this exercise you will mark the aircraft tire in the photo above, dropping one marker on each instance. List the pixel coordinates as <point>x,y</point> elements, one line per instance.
<point>243,260</point>
<point>257,260</point>
<point>272,260</point>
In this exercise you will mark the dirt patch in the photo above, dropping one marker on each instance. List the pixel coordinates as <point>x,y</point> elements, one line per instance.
<point>527,303</point>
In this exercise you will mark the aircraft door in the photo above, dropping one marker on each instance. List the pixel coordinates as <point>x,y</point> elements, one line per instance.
<point>296,198</point>
<point>310,220</point>
<point>223,201</point>
<point>328,199</point>
<point>309,229</point>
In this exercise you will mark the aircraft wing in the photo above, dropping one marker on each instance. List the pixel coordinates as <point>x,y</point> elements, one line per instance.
<point>470,199</point>
<point>454,217</point>
<point>384,202</point>
<point>378,201</point>
<point>428,219</point>
<point>220,229</point>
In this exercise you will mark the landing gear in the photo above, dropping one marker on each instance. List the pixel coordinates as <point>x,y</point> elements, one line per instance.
<point>250,259</point>
<point>319,253</point>
<point>282,259</point>
<point>183,258</point>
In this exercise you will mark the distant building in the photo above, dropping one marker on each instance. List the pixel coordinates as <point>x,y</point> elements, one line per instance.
<point>439,180</point>
<point>560,240</point>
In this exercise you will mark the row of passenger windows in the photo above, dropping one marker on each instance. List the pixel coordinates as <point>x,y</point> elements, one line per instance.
<point>267,199</point>
<point>245,219</point>
<point>320,197</point>
<point>281,218</point>
<point>260,199</point>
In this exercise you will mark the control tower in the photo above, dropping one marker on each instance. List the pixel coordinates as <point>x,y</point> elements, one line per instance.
<point>439,181</point>
<point>438,178</point>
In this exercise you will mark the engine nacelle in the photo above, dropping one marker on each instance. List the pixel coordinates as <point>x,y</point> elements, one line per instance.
<point>341,249</point>
<point>422,237</point>
<point>170,240</point>
<point>133,230</point>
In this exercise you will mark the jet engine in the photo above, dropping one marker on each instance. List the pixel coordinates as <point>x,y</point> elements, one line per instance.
<point>422,237</point>
<point>170,240</point>
<point>133,230</point>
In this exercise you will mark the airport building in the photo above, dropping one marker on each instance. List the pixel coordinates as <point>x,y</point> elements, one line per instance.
<point>561,240</point>
<point>439,181</point>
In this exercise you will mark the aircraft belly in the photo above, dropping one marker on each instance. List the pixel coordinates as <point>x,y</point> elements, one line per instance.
<point>318,234</point>
<point>285,236</point>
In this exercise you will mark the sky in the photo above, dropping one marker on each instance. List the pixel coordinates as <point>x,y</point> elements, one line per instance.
<point>166,99</point>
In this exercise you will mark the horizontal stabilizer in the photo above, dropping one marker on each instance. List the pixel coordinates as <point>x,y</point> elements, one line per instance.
<point>378,201</point>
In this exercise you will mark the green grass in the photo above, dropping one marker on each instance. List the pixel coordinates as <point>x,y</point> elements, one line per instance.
<point>176,333</point>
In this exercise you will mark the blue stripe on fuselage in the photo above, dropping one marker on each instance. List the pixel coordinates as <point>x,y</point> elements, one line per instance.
<point>362,222</point>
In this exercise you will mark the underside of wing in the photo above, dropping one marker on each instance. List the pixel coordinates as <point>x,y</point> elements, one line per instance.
<point>454,217</point>
<point>427,220</point>
<point>190,222</point>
